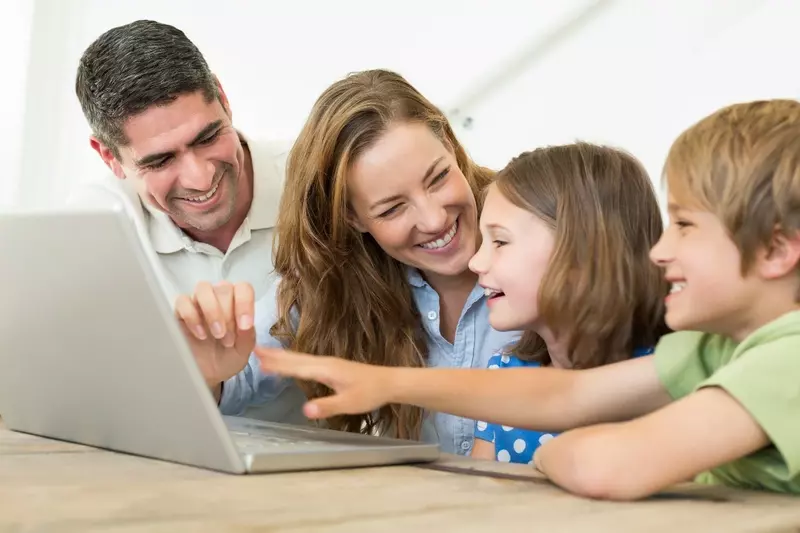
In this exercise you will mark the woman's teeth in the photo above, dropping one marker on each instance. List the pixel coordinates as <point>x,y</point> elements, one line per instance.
<point>676,287</point>
<point>491,292</point>
<point>444,241</point>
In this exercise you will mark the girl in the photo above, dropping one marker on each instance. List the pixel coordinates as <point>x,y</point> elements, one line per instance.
<point>566,235</point>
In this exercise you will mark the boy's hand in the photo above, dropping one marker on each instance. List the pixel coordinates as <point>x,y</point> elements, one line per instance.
<point>358,388</point>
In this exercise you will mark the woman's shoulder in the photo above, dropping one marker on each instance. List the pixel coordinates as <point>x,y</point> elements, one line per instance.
<point>267,312</point>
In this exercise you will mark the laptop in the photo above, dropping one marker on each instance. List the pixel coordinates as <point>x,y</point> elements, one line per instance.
<point>91,353</point>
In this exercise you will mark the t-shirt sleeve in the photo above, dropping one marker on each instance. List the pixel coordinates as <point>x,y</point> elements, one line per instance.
<point>685,359</point>
<point>765,381</point>
<point>484,431</point>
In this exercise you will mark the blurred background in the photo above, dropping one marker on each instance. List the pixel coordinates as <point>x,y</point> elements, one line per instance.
<point>511,74</point>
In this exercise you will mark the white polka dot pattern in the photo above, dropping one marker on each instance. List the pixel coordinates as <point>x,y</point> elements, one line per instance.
<point>544,438</point>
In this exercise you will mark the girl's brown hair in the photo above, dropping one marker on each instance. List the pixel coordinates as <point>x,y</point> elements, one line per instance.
<point>340,293</point>
<point>600,287</point>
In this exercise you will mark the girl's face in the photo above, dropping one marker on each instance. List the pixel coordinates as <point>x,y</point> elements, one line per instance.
<point>511,262</point>
<point>409,194</point>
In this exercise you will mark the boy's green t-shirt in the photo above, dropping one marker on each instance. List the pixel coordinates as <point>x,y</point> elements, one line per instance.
<point>763,374</point>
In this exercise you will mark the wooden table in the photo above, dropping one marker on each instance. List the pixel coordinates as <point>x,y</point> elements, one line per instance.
<point>54,486</point>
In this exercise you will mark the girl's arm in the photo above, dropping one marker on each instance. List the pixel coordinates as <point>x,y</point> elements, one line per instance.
<point>631,460</point>
<point>545,399</point>
<point>482,449</point>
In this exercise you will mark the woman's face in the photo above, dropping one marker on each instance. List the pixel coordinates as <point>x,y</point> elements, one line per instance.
<point>409,194</point>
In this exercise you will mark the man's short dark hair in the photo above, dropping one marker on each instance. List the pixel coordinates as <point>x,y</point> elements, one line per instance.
<point>133,67</point>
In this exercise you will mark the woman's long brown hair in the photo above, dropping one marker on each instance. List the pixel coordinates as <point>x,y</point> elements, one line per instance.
<point>340,293</point>
<point>600,287</point>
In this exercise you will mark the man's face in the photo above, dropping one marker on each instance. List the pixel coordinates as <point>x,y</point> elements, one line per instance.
<point>185,159</point>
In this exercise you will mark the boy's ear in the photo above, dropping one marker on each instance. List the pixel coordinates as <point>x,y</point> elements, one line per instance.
<point>783,255</point>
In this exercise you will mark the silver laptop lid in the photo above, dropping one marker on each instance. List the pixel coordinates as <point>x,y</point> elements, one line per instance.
<point>88,342</point>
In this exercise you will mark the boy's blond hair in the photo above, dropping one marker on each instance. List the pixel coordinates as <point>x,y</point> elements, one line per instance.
<point>742,163</point>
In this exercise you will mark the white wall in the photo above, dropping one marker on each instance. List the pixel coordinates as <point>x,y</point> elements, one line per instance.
<point>639,75</point>
<point>17,17</point>
<point>273,58</point>
<point>634,74</point>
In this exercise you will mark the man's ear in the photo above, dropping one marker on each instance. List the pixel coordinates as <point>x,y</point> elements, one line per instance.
<point>782,256</point>
<point>107,156</point>
<point>223,98</point>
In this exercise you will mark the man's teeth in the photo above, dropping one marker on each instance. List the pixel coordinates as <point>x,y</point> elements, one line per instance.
<point>444,241</point>
<point>677,287</point>
<point>206,196</point>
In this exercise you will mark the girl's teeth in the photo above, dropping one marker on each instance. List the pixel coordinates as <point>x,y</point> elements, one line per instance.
<point>444,241</point>
<point>677,287</point>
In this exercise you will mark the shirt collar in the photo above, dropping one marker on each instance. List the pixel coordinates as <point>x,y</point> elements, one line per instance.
<point>166,237</point>
<point>415,279</point>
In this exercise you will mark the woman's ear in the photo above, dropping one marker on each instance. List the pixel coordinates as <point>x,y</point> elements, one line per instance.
<point>353,220</point>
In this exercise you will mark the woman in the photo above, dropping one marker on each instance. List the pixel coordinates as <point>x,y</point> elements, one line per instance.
<point>377,224</point>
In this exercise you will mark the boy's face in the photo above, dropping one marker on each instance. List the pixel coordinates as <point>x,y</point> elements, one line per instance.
<point>709,292</point>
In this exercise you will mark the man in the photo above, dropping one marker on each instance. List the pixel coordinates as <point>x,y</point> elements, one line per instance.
<point>203,198</point>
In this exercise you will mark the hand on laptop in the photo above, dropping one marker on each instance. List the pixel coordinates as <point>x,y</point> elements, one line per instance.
<point>218,323</point>
<point>358,388</point>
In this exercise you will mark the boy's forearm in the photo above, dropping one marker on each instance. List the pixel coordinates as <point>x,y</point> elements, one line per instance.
<point>534,398</point>
<point>585,462</point>
<point>543,399</point>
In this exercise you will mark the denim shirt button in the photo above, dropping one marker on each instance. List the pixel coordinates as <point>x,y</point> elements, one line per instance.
<point>432,315</point>
<point>465,445</point>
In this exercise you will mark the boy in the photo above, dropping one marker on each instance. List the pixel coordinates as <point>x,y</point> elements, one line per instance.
<point>719,399</point>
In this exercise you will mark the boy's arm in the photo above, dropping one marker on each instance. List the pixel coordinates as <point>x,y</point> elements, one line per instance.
<point>634,459</point>
<point>545,399</point>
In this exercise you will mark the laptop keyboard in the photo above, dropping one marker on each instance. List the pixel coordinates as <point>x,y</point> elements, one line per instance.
<point>251,442</point>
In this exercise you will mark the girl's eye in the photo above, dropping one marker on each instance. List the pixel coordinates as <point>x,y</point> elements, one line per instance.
<point>499,243</point>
